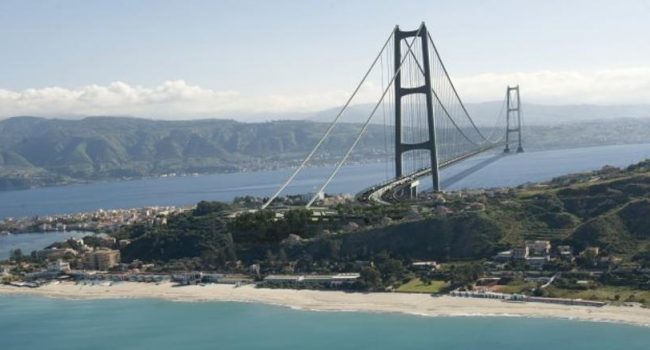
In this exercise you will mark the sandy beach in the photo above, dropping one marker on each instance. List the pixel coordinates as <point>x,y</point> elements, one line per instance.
<point>415,304</point>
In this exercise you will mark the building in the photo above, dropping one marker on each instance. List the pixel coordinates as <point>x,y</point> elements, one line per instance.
<point>58,266</point>
<point>537,262</point>
<point>425,265</point>
<point>504,256</point>
<point>538,248</point>
<point>593,251</point>
<point>102,259</point>
<point>520,253</point>
<point>565,252</point>
<point>336,280</point>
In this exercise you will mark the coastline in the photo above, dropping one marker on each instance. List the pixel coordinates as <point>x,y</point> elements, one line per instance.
<point>411,304</point>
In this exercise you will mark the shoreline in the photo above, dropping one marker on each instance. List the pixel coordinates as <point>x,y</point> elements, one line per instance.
<point>338,301</point>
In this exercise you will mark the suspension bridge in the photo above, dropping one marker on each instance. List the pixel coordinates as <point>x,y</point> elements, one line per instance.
<point>426,123</point>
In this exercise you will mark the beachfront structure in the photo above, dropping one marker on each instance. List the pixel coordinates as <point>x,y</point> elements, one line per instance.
<point>59,266</point>
<point>336,280</point>
<point>520,297</point>
<point>102,259</point>
<point>197,277</point>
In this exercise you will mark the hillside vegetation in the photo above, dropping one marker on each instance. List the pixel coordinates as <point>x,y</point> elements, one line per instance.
<point>608,209</point>
<point>37,151</point>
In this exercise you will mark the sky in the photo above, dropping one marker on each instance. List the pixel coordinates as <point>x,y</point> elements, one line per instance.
<point>188,59</point>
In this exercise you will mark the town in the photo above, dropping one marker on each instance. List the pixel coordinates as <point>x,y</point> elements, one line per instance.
<point>97,221</point>
<point>540,241</point>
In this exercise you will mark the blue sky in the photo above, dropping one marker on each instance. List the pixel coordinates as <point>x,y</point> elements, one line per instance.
<point>298,51</point>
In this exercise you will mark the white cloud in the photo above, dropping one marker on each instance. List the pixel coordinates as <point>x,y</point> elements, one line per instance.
<point>612,86</point>
<point>176,99</point>
<point>118,98</point>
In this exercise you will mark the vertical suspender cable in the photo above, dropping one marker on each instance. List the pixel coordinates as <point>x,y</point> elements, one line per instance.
<point>365,126</point>
<point>330,128</point>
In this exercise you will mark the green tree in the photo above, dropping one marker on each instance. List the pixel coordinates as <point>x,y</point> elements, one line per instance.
<point>370,278</point>
<point>460,275</point>
<point>16,254</point>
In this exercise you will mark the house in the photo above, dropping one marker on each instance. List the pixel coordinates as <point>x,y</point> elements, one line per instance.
<point>565,252</point>
<point>292,239</point>
<point>58,266</point>
<point>538,248</point>
<point>102,259</point>
<point>520,253</point>
<point>537,262</point>
<point>187,278</point>
<point>476,206</point>
<point>504,256</point>
<point>593,251</point>
<point>425,265</point>
<point>335,280</point>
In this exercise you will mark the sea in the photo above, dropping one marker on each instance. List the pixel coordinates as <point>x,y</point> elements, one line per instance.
<point>490,170</point>
<point>28,242</point>
<point>45,323</point>
<point>42,323</point>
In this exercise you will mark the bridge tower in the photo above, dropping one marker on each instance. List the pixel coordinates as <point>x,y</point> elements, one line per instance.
<point>430,144</point>
<point>513,110</point>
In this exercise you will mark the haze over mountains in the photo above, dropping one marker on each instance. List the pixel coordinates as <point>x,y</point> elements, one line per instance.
<point>38,151</point>
<point>534,114</point>
<point>484,113</point>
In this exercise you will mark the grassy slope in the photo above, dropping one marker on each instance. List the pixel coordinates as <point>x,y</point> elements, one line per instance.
<point>417,286</point>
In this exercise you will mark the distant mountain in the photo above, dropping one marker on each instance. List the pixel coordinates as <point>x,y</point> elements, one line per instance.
<point>112,147</point>
<point>38,151</point>
<point>485,113</point>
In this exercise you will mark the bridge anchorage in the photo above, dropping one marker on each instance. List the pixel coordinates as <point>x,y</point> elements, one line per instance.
<point>429,124</point>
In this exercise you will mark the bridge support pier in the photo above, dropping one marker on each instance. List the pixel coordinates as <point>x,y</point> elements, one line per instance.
<point>513,111</point>
<point>430,144</point>
<point>413,189</point>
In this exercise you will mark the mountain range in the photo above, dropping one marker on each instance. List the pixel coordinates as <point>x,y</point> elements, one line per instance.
<point>486,113</point>
<point>38,151</point>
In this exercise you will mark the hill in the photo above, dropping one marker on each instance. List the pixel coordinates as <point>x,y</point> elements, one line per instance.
<point>38,151</point>
<point>485,113</point>
<point>608,209</point>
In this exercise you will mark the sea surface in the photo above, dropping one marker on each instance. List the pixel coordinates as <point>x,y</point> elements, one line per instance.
<point>42,323</point>
<point>28,242</point>
<point>491,170</point>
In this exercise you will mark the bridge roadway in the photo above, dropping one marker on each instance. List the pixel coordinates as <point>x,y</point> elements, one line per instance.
<point>387,192</point>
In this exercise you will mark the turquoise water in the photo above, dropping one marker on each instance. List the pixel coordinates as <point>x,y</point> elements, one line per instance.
<point>41,323</point>
<point>511,170</point>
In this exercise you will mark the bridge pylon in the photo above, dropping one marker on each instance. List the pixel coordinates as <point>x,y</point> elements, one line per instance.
<point>513,117</point>
<point>430,144</point>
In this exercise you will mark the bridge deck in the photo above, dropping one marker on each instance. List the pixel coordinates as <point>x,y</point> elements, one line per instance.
<point>385,193</point>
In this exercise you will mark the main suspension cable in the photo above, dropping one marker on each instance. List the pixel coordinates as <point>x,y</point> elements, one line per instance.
<point>365,125</point>
<point>331,126</point>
